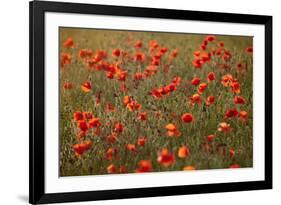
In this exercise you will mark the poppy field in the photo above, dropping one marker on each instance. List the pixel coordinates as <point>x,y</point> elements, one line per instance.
<point>134,102</point>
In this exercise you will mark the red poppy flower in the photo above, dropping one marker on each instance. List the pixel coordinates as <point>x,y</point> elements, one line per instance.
<point>138,76</point>
<point>210,38</point>
<point>116,52</point>
<point>83,126</point>
<point>249,49</point>
<point>65,59</point>
<point>166,158</point>
<point>221,44</point>
<point>231,113</point>
<point>111,153</point>
<point>111,169</point>
<point>183,152</point>
<point>86,87</point>
<point>235,87</point>
<point>142,116</point>
<point>94,122</point>
<point>131,147</point>
<point>111,138</point>
<point>144,166</point>
<point>69,43</point>
<point>231,152</point>
<point>210,100</point>
<point>80,148</point>
<point>118,127</point>
<point>195,81</point>
<point>210,138</point>
<point>196,98</point>
<point>226,80</point>
<point>78,116</point>
<point>202,87</point>
<point>239,100</point>
<point>243,115</point>
<point>85,53</point>
<point>234,166</point>
<point>122,169</point>
<point>133,106</point>
<point>138,44</point>
<point>211,76</point>
<point>189,168</point>
<point>187,117</point>
<point>141,141</point>
<point>126,100</point>
<point>67,86</point>
<point>224,127</point>
<point>139,57</point>
<point>172,130</point>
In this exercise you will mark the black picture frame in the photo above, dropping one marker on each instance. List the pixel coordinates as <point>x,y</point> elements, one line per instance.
<point>37,85</point>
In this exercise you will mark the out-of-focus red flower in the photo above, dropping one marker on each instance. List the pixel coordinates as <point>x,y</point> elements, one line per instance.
<point>235,87</point>
<point>239,100</point>
<point>202,87</point>
<point>94,122</point>
<point>210,38</point>
<point>210,138</point>
<point>249,49</point>
<point>126,100</point>
<point>189,168</point>
<point>221,44</point>
<point>139,57</point>
<point>210,100</point>
<point>211,76</point>
<point>144,166</point>
<point>138,76</point>
<point>176,80</point>
<point>131,147</point>
<point>111,153</point>
<point>172,130</point>
<point>141,141</point>
<point>86,87</point>
<point>195,98</point>
<point>183,152</point>
<point>142,116</point>
<point>231,152</point>
<point>243,115</point>
<point>138,44</point>
<point>87,115</point>
<point>116,52</point>
<point>65,59</point>
<point>195,81</point>
<point>174,53</point>
<point>111,169</point>
<point>226,80</point>
<point>82,124</point>
<point>133,106</point>
<point>224,127</point>
<point>82,147</point>
<point>187,117</point>
<point>68,43</point>
<point>166,158</point>
<point>234,166</point>
<point>122,169</point>
<point>77,115</point>
<point>85,53</point>
<point>67,86</point>
<point>118,127</point>
<point>111,138</point>
<point>231,113</point>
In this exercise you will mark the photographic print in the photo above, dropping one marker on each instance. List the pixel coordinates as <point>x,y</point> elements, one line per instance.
<point>144,101</point>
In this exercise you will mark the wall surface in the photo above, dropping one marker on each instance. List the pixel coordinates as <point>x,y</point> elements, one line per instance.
<point>14,100</point>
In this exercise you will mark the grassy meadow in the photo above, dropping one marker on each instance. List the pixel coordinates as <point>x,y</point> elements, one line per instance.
<point>133,102</point>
